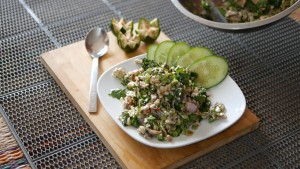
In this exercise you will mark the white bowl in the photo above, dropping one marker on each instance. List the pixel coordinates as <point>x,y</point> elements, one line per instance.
<point>235,26</point>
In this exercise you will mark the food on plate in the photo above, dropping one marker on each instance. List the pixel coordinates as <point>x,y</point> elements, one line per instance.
<point>211,70</point>
<point>164,101</point>
<point>162,50</point>
<point>128,39</point>
<point>151,51</point>
<point>177,50</point>
<point>237,11</point>
<point>148,31</point>
<point>193,55</point>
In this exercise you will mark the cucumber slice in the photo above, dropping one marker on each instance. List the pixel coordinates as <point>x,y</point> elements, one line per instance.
<point>162,51</point>
<point>211,70</point>
<point>192,55</point>
<point>151,51</point>
<point>148,31</point>
<point>120,26</point>
<point>176,51</point>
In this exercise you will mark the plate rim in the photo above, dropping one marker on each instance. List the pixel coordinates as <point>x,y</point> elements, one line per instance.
<point>163,146</point>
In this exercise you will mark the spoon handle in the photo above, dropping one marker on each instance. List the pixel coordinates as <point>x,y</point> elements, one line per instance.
<point>93,83</point>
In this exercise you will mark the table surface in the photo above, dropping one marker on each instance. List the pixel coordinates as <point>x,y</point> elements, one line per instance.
<point>46,131</point>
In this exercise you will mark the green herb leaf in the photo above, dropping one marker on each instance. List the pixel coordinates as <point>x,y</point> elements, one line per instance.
<point>148,64</point>
<point>205,5</point>
<point>160,137</point>
<point>134,122</point>
<point>123,118</point>
<point>118,93</point>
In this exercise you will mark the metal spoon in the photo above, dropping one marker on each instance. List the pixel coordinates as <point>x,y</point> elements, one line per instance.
<point>96,44</point>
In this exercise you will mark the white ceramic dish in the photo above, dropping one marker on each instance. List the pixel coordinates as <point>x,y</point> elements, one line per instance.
<point>235,26</point>
<point>227,93</point>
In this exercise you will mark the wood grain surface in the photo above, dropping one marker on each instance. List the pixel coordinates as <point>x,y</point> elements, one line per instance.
<point>70,66</point>
<point>296,15</point>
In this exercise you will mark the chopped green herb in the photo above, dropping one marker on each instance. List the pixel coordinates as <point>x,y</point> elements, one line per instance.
<point>118,93</point>
<point>123,118</point>
<point>148,64</point>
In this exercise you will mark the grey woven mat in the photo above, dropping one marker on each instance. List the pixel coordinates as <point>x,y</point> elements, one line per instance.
<point>265,63</point>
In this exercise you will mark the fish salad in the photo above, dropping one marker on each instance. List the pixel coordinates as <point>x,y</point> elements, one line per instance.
<point>162,101</point>
<point>237,11</point>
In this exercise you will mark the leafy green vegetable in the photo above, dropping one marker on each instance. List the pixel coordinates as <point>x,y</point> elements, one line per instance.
<point>178,106</point>
<point>182,76</point>
<point>118,93</point>
<point>176,132</point>
<point>193,117</point>
<point>123,118</point>
<point>148,64</point>
<point>223,12</point>
<point>160,137</point>
<point>134,121</point>
<point>205,5</point>
<point>234,4</point>
<point>275,3</point>
<point>205,107</point>
<point>170,97</point>
<point>151,118</point>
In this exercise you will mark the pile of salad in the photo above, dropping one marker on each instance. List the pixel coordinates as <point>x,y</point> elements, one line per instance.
<point>238,11</point>
<point>164,101</point>
<point>251,10</point>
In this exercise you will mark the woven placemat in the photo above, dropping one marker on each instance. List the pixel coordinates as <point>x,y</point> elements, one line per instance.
<point>53,133</point>
<point>11,156</point>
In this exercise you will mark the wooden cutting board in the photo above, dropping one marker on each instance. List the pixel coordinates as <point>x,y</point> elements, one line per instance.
<point>70,66</point>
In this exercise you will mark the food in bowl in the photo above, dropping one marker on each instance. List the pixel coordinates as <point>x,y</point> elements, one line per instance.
<point>236,11</point>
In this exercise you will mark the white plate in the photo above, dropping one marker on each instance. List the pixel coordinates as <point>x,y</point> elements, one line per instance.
<point>227,93</point>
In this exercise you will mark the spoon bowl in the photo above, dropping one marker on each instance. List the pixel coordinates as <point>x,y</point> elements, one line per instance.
<point>96,43</point>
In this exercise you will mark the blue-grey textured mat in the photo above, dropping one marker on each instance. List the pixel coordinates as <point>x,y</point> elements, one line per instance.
<point>14,18</point>
<point>20,65</point>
